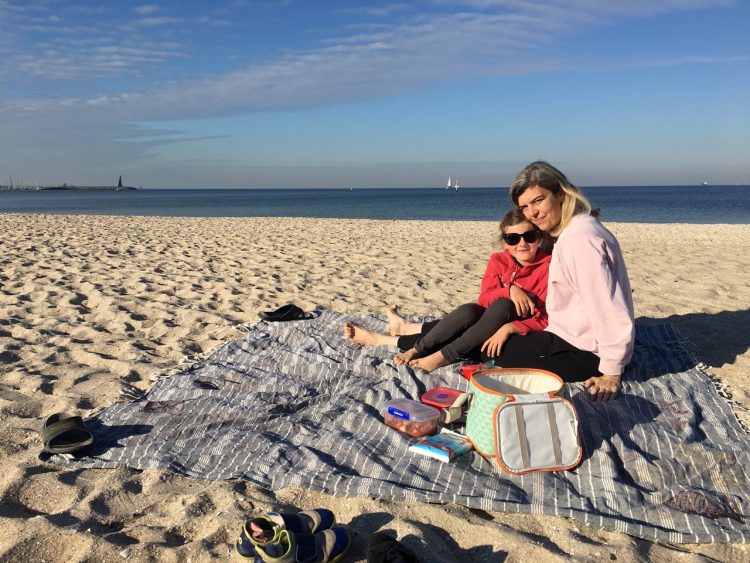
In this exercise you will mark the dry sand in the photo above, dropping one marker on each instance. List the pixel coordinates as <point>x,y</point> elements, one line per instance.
<point>90,306</point>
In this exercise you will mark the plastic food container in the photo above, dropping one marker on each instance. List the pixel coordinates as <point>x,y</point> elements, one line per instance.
<point>411,417</point>
<point>441,397</point>
<point>467,369</point>
<point>452,403</point>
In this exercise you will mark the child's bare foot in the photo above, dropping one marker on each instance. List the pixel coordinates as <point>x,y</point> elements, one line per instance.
<point>360,335</point>
<point>406,357</point>
<point>398,325</point>
<point>430,363</point>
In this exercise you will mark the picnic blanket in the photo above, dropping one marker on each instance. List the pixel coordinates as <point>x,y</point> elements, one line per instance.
<point>295,404</point>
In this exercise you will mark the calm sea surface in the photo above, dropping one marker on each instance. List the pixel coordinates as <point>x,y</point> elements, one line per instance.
<point>642,204</point>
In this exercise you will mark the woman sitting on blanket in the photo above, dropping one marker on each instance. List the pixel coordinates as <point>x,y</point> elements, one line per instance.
<point>590,334</point>
<point>511,301</point>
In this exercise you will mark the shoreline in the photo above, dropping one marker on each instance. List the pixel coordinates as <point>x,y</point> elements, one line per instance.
<point>67,188</point>
<point>94,305</point>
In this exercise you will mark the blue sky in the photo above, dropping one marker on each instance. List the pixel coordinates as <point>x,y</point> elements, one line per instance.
<point>303,93</point>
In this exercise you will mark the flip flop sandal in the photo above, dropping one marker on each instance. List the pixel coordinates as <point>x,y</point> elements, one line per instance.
<point>328,546</point>
<point>265,529</point>
<point>288,312</point>
<point>63,434</point>
<point>382,548</point>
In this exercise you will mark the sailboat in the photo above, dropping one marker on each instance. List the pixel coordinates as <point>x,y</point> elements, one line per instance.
<point>452,184</point>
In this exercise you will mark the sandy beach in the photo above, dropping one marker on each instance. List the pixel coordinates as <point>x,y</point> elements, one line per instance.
<point>93,306</point>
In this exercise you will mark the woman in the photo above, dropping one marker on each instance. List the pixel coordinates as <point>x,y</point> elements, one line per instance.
<point>590,334</point>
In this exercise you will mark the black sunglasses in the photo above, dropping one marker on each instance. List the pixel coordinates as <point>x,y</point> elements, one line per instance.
<point>512,239</point>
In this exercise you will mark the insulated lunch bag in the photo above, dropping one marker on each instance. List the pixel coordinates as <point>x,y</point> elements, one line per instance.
<point>518,418</point>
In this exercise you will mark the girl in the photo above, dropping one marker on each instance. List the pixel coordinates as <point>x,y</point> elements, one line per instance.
<point>591,333</point>
<point>511,299</point>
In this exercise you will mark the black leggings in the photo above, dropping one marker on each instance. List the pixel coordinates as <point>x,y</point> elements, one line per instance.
<point>461,333</point>
<point>544,350</point>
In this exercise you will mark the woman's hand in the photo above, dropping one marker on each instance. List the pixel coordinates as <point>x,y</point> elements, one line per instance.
<point>602,387</point>
<point>524,304</point>
<point>494,344</point>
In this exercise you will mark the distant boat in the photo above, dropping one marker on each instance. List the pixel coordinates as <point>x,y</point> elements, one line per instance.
<point>452,184</point>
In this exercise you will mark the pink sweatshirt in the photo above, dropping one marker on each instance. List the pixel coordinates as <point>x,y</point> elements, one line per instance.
<point>589,300</point>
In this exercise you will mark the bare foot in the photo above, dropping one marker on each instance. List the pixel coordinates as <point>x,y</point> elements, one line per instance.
<point>406,357</point>
<point>398,325</point>
<point>360,335</point>
<point>430,363</point>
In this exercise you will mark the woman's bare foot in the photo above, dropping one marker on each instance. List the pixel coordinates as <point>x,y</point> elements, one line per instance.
<point>406,357</point>
<point>360,335</point>
<point>398,325</point>
<point>430,363</point>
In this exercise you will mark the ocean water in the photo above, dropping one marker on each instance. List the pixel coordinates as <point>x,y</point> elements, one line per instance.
<point>638,204</point>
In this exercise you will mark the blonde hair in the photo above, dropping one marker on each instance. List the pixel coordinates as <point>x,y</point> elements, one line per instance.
<point>546,176</point>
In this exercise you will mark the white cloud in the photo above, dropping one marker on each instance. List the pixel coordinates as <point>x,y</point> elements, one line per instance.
<point>482,38</point>
<point>355,68</point>
<point>157,21</point>
<point>146,9</point>
<point>379,11</point>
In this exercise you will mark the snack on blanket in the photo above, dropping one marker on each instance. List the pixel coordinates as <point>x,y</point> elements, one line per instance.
<point>411,417</point>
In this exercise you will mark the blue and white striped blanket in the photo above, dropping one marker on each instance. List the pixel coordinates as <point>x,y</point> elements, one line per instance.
<point>296,405</point>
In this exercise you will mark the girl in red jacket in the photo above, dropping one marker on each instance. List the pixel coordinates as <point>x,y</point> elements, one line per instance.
<point>511,301</point>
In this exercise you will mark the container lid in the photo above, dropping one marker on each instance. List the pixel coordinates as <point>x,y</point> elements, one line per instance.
<point>407,409</point>
<point>441,397</point>
<point>468,368</point>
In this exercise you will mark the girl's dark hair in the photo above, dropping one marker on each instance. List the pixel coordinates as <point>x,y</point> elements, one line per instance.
<point>515,217</point>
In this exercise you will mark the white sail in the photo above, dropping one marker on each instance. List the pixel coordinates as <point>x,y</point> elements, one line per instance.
<point>449,184</point>
<point>455,185</point>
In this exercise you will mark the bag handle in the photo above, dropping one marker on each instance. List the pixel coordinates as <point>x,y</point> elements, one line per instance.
<point>555,432</point>
<point>523,442</point>
<point>521,423</point>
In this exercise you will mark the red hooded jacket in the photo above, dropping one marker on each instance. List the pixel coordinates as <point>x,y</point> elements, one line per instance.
<point>503,270</point>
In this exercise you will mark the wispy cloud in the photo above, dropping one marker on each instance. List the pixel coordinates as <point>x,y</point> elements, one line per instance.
<point>157,21</point>
<point>403,58</point>
<point>146,9</point>
<point>686,60</point>
<point>458,38</point>
<point>379,11</point>
<point>453,40</point>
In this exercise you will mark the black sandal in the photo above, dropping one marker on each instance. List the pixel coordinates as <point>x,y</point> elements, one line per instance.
<point>63,434</point>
